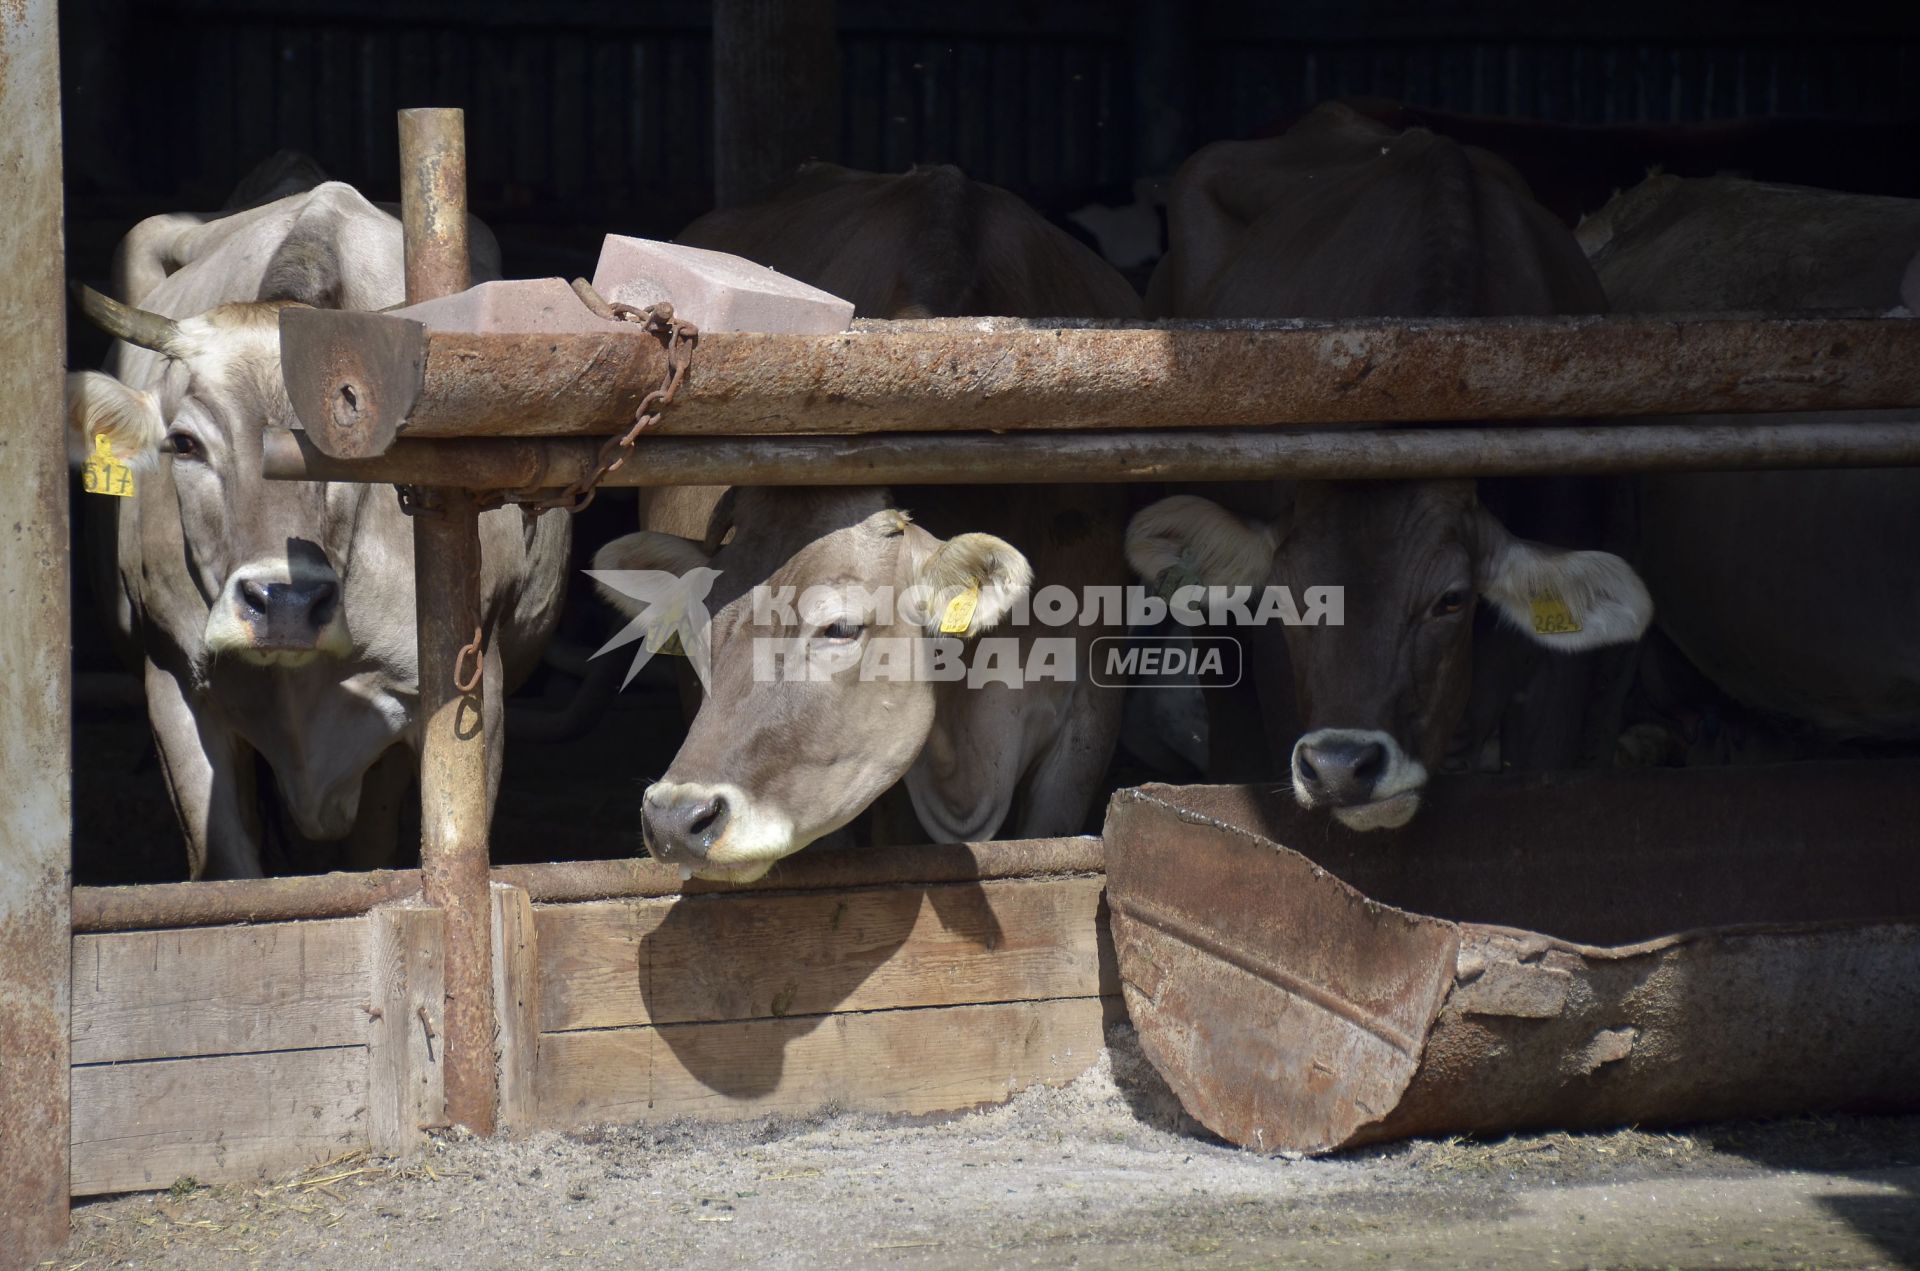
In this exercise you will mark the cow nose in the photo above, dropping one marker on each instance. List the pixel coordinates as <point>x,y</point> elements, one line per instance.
<point>313,601</point>
<point>1341,770</point>
<point>684,825</point>
<point>256,597</point>
<point>288,608</point>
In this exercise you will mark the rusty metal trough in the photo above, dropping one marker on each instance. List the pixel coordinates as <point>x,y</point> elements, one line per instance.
<point>1571,951</point>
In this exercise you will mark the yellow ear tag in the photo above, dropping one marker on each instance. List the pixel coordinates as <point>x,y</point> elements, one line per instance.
<point>959,614</point>
<point>1552,617</point>
<point>663,633</point>
<point>103,474</point>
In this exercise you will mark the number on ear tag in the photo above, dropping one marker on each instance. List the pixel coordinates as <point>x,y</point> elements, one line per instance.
<point>104,474</point>
<point>1552,617</point>
<point>959,614</point>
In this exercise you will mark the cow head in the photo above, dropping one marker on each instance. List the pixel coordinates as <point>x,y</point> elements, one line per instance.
<point>1381,693</point>
<point>263,554</point>
<point>813,709</point>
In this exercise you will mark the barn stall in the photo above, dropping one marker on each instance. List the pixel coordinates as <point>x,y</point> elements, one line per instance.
<point>223,1030</point>
<point>905,981</point>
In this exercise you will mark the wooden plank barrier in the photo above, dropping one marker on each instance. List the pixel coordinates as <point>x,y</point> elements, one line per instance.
<point>236,1052</point>
<point>895,999</point>
<point>219,1053</point>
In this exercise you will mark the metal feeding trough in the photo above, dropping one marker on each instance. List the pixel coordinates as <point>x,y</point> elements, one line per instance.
<point>1570,951</point>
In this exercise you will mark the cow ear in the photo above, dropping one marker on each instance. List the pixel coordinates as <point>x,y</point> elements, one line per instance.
<point>970,583</point>
<point>649,551</point>
<point>1190,541</point>
<point>98,405</point>
<point>1565,600</point>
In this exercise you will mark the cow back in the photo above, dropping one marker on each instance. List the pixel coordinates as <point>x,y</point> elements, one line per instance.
<point>1722,244</point>
<point>1345,217</point>
<point>925,244</point>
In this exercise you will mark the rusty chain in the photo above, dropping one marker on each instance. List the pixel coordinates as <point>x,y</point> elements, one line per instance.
<point>679,337</point>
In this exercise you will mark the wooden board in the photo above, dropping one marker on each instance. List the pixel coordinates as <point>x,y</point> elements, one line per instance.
<point>516,1004</point>
<point>902,1061</point>
<point>406,1084</point>
<point>219,990</point>
<point>623,963</point>
<point>226,1118</point>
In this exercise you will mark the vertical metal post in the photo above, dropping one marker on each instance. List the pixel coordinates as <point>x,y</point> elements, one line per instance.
<point>776,93</point>
<point>446,567</point>
<point>36,814</point>
<point>433,201</point>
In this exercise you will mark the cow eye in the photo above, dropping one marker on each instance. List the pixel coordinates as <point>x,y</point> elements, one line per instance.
<point>1450,602</point>
<point>182,444</point>
<point>841,631</point>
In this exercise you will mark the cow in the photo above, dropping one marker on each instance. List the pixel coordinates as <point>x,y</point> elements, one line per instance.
<point>273,622</point>
<point>771,765</point>
<point>1718,244</point>
<point>1573,169</point>
<point>1795,592</point>
<point>1343,218</point>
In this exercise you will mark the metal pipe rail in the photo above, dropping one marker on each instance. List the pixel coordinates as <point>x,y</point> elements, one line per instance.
<point>1218,454</point>
<point>361,381</point>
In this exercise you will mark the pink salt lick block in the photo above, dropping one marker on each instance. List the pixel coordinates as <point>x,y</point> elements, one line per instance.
<point>713,290</point>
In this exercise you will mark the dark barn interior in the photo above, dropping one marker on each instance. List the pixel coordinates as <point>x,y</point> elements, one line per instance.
<point>1530,394</point>
<point>586,117</point>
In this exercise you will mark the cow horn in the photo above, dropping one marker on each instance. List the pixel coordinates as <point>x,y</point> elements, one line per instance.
<point>124,322</point>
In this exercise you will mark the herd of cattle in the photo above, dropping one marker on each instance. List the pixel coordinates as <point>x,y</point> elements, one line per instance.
<point>274,621</point>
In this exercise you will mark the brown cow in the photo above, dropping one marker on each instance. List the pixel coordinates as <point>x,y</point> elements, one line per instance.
<point>1795,592</point>
<point>772,764</point>
<point>1345,218</point>
<point>1574,169</point>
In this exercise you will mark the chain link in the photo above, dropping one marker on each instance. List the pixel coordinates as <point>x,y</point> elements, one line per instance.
<point>464,684</point>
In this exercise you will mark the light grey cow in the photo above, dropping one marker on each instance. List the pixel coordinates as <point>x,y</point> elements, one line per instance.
<point>771,765</point>
<point>273,621</point>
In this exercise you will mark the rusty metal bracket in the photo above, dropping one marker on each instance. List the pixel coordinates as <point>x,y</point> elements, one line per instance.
<point>418,500</point>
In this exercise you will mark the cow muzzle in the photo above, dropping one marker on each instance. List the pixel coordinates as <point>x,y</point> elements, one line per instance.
<point>713,831</point>
<point>277,613</point>
<point>1362,776</point>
